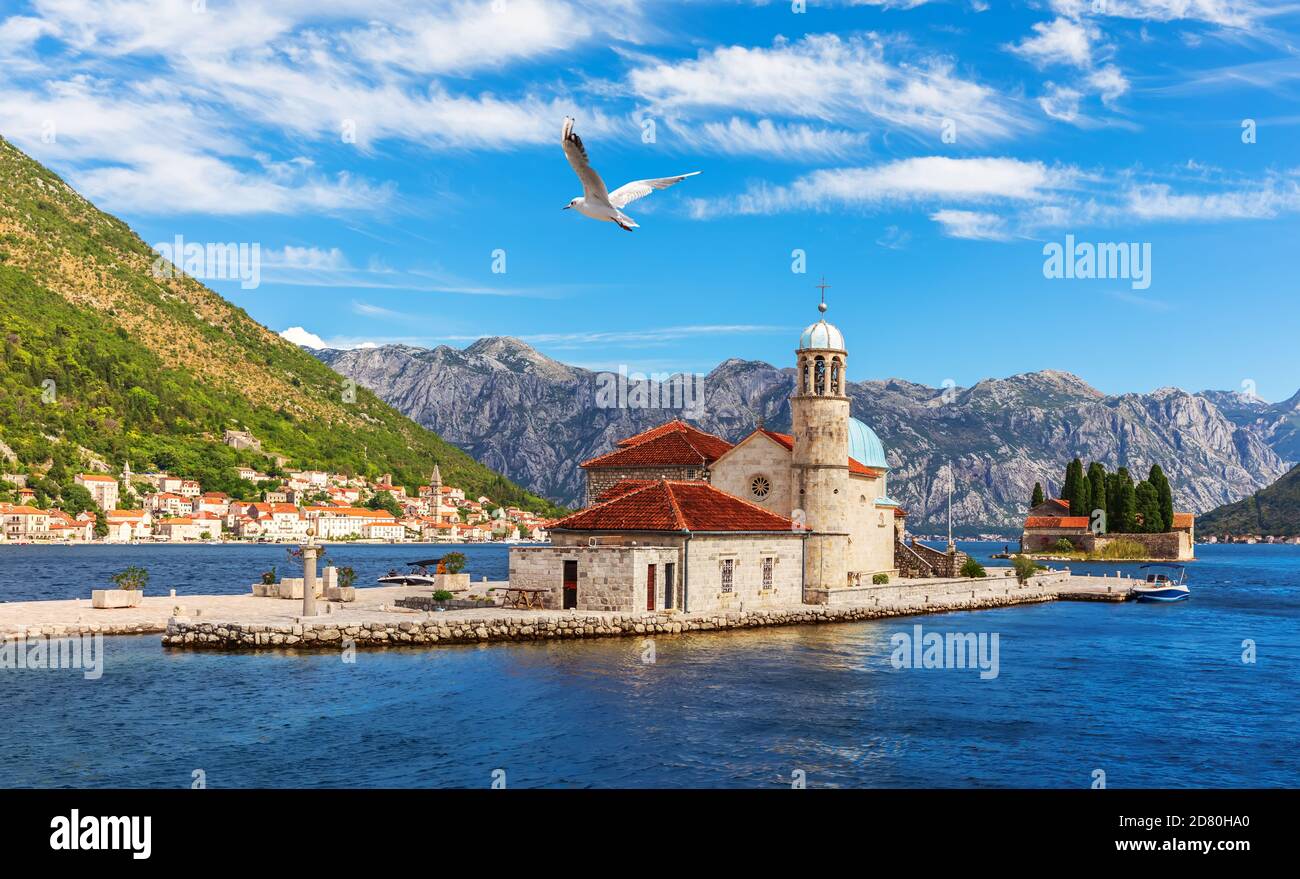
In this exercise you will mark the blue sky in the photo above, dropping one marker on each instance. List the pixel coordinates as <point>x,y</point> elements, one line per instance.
<point>920,153</point>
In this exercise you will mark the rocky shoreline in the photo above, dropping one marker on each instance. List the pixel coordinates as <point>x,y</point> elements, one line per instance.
<point>328,635</point>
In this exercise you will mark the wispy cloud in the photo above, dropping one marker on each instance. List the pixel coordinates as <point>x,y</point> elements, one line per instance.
<point>922,179</point>
<point>849,80</point>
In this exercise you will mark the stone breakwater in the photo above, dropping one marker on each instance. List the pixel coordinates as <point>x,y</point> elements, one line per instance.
<point>74,629</point>
<point>430,629</point>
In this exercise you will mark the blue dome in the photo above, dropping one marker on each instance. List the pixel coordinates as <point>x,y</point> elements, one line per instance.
<point>822,335</point>
<point>865,447</point>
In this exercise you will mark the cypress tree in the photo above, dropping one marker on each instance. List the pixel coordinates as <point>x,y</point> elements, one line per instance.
<point>1148,507</point>
<point>1097,482</point>
<point>1070,488</point>
<point>1038,495</point>
<point>1164,494</point>
<point>1080,503</point>
<point>1127,512</point>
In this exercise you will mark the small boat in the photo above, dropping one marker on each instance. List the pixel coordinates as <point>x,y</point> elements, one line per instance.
<point>418,575</point>
<point>1160,586</point>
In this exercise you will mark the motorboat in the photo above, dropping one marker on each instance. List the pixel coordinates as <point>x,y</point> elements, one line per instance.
<point>1163,583</point>
<point>419,574</point>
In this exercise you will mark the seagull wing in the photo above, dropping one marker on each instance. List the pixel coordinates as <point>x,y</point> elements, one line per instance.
<point>630,192</point>
<point>593,188</point>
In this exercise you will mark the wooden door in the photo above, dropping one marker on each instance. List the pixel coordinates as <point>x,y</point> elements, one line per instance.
<point>670,586</point>
<point>570,585</point>
<point>650,588</point>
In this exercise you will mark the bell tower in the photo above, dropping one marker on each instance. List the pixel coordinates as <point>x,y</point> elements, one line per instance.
<point>819,410</point>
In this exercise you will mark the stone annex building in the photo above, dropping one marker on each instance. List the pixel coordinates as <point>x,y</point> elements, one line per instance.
<point>678,518</point>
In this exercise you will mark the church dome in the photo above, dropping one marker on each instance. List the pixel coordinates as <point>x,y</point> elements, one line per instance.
<point>865,447</point>
<point>822,335</point>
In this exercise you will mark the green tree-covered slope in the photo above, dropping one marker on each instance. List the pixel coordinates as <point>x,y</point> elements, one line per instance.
<point>100,359</point>
<point>1273,510</point>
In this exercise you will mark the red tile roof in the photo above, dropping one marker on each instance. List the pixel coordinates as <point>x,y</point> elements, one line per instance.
<point>678,447</point>
<point>1056,522</point>
<point>675,426</point>
<point>786,440</point>
<point>676,506</point>
<point>622,487</point>
<point>1184,520</point>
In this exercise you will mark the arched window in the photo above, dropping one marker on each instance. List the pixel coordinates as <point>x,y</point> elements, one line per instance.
<point>803,375</point>
<point>819,376</point>
<point>835,376</point>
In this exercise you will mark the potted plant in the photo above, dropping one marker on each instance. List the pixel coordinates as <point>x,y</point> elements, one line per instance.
<point>130,585</point>
<point>449,574</point>
<point>268,577</point>
<point>344,590</point>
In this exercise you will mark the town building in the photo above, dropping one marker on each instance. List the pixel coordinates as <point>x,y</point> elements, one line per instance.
<point>103,489</point>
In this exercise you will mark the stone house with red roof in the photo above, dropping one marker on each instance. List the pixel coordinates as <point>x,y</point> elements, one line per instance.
<point>666,545</point>
<point>1050,522</point>
<point>681,519</point>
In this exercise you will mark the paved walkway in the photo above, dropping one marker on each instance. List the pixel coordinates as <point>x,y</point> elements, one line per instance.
<point>377,605</point>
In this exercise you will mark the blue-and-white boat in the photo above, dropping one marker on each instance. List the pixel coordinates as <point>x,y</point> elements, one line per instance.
<point>1161,586</point>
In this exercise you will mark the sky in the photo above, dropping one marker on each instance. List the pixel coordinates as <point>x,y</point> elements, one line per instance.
<point>398,166</point>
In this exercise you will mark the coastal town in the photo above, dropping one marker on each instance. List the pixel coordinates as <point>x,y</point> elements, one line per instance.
<point>159,507</point>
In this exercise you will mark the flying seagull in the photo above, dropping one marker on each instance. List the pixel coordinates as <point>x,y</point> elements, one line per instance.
<point>595,201</point>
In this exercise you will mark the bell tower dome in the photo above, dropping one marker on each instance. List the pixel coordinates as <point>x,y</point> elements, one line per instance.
<point>819,411</point>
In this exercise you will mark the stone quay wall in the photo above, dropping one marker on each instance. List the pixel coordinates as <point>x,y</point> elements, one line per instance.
<point>328,635</point>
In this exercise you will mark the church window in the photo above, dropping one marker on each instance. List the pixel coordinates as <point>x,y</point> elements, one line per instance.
<point>728,575</point>
<point>767,572</point>
<point>819,376</point>
<point>803,375</point>
<point>835,376</point>
<point>760,487</point>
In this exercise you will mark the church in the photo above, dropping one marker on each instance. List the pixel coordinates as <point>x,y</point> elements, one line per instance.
<point>681,519</point>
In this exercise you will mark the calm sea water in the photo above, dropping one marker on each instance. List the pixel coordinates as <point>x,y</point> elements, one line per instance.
<point>1151,695</point>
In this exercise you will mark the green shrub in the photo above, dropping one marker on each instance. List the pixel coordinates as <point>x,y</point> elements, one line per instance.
<point>133,577</point>
<point>347,576</point>
<point>1026,567</point>
<point>442,595</point>
<point>1120,548</point>
<point>879,579</point>
<point>972,568</point>
<point>268,577</point>
<point>454,562</point>
<point>1063,545</point>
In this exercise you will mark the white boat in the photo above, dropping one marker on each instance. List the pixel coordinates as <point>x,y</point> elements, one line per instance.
<point>418,575</point>
<point>1162,587</point>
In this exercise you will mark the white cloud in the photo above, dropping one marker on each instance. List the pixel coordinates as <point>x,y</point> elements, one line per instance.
<point>917,179</point>
<point>1158,201</point>
<point>1109,82</point>
<point>1229,13</point>
<point>311,258</point>
<point>1060,41</point>
<point>299,336</point>
<point>795,141</point>
<point>1060,102</point>
<point>971,224</point>
<point>826,77</point>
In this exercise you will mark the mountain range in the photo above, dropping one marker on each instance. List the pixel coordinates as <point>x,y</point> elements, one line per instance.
<point>534,419</point>
<point>108,356</point>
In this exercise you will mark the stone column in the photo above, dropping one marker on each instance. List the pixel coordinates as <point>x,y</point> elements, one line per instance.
<point>309,553</point>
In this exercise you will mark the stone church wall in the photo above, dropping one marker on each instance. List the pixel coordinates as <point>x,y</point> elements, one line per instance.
<point>602,479</point>
<point>758,456</point>
<point>705,556</point>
